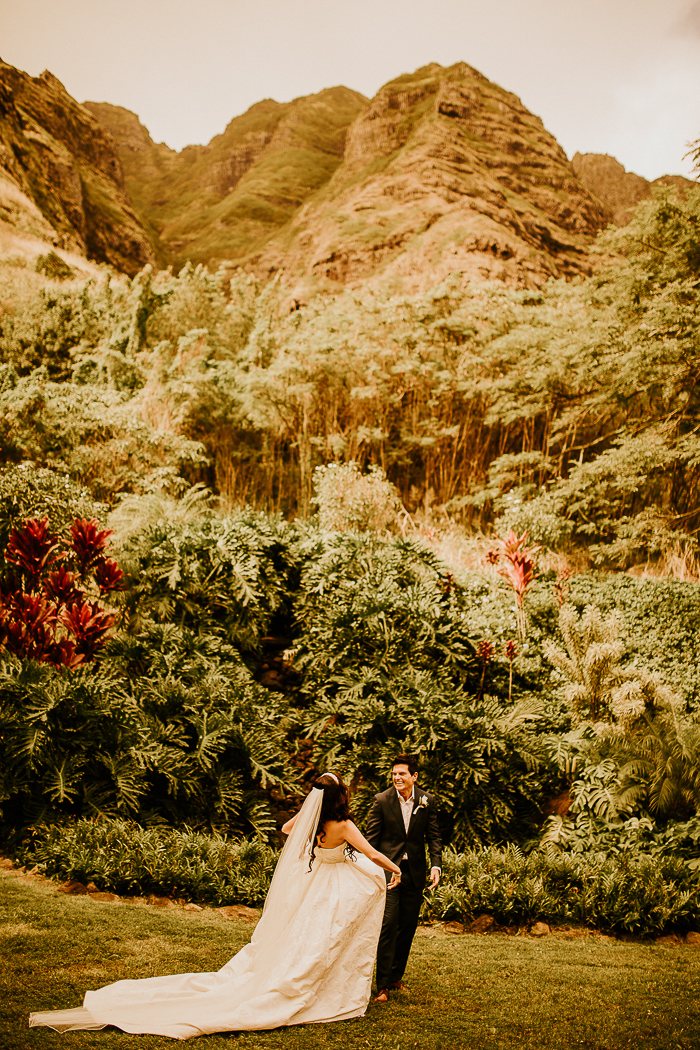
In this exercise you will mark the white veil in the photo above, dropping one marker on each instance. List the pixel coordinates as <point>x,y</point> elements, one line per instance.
<point>292,875</point>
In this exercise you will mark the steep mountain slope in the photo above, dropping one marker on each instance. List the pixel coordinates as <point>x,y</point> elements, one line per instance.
<point>618,190</point>
<point>224,200</point>
<point>147,166</point>
<point>442,171</point>
<point>61,177</point>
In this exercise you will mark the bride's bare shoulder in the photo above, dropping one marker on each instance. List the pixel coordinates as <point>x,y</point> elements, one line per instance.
<point>336,827</point>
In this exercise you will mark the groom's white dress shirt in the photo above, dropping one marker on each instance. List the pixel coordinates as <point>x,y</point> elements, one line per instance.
<point>406,811</point>
<point>406,807</point>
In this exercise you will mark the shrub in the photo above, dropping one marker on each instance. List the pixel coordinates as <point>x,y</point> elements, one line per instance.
<point>125,858</point>
<point>169,727</point>
<point>363,600</point>
<point>631,892</point>
<point>50,592</point>
<point>540,517</point>
<point>28,491</point>
<point>628,893</point>
<point>54,267</point>
<point>49,323</point>
<point>389,666</point>
<point>347,499</point>
<point>597,835</point>
<point>479,758</point>
<point>597,686</point>
<point>229,576</point>
<point>659,623</point>
<point>95,434</point>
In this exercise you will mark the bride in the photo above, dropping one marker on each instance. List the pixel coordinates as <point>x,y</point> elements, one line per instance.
<point>311,955</point>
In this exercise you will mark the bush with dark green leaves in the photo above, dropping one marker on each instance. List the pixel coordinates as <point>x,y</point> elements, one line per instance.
<point>170,724</point>
<point>170,727</point>
<point>626,893</point>
<point>388,603</point>
<point>120,856</point>
<point>230,576</point>
<point>384,657</point>
<point>482,759</point>
<point>659,623</point>
<point>584,833</point>
<point>390,666</point>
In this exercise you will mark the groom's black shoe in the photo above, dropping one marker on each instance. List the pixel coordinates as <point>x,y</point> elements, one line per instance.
<point>382,995</point>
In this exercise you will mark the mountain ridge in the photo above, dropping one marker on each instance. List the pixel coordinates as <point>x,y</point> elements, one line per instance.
<point>620,191</point>
<point>55,157</point>
<point>226,198</point>
<point>437,141</point>
<point>442,171</point>
<point>459,176</point>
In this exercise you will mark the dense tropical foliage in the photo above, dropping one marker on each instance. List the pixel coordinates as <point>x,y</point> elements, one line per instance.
<point>199,672</point>
<point>569,411</point>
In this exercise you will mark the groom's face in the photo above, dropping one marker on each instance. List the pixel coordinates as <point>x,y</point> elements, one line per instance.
<point>403,779</point>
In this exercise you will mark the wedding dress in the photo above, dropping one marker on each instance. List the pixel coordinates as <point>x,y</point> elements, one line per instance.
<point>310,958</point>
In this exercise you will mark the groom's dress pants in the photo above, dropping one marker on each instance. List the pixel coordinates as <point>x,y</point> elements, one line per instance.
<point>400,921</point>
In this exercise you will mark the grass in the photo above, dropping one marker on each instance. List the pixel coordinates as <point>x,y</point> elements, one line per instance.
<point>482,993</point>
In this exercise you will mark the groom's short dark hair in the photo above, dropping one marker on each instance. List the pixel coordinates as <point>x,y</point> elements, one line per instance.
<point>406,760</point>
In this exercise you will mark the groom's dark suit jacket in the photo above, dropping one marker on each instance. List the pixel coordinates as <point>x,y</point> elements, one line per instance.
<point>386,831</point>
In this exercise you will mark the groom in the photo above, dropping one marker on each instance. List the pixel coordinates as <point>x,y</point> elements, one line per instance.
<point>400,821</point>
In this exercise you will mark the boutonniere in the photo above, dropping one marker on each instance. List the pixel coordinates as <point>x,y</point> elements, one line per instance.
<point>422,803</point>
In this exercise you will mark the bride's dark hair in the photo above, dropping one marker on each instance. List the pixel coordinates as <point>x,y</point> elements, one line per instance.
<point>334,807</point>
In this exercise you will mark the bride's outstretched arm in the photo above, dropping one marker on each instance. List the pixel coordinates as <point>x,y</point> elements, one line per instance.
<point>356,839</point>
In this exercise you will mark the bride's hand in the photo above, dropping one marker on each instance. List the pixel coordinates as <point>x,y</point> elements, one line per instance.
<point>394,881</point>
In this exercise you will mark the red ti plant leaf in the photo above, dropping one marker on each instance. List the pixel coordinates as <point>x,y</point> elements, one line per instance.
<point>64,654</point>
<point>28,626</point>
<point>519,568</point>
<point>31,547</point>
<point>33,610</point>
<point>25,642</point>
<point>89,542</point>
<point>60,586</point>
<point>109,576</point>
<point>89,624</point>
<point>520,565</point>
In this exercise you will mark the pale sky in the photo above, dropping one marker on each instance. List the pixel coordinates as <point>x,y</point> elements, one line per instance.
<point>606,76</point>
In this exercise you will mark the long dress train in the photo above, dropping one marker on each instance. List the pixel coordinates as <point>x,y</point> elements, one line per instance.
<point>310,958</point>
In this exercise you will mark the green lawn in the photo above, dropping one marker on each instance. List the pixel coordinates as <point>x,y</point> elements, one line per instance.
<point>468,991</point>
